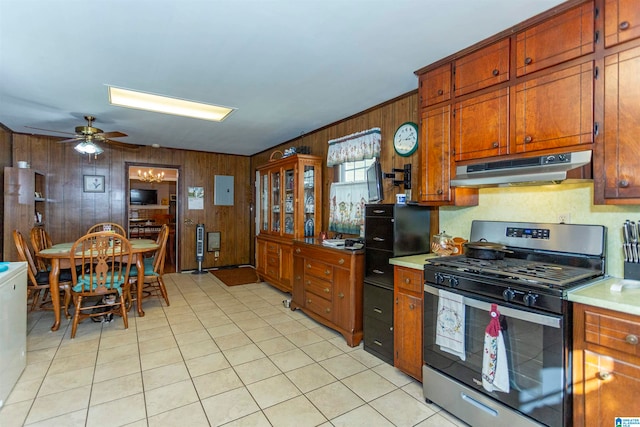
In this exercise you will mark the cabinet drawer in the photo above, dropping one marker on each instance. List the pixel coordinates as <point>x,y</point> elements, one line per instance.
<point>378,303</point>
<point>611,331</point>
<point>482,68</point>
<point>318,269</point>
<point>558,39</point>
<point>329,256</point>
<point>409,279</point>
<point>378,336</point>
<point>379,233</point>
<point>273,260</point>
<point>377,267</point>
<point>319,305</point>
<point>378,210</point>
<point>272,247</point>
<point>435,86</point>
<point>319,287</point>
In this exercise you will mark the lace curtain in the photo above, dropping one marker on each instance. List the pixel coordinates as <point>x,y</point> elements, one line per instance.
<point>346,206</point>
<point>357,146</point>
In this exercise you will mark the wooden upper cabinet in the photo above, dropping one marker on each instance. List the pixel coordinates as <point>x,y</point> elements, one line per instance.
<point>555,110</point>
<point>621,154</point>
<point>558,39</point>
<point>435,85</point>
<point>482,68</point>
<point>480,126</point>
<point>621,21</point>
<point>434,155</point>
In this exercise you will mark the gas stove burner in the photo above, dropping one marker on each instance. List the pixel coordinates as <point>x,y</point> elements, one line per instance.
<point>515,270</point>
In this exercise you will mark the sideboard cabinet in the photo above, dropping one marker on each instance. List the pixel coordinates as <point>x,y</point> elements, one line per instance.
<point>289,200</point>
<point>327,286</point>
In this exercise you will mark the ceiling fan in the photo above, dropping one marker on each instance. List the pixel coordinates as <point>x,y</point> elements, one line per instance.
<point>87,137</point>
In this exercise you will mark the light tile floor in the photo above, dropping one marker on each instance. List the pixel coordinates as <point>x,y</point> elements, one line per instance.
<point>218,355</point>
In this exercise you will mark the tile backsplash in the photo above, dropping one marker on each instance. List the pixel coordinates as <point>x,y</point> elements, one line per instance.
<point>544,204</point>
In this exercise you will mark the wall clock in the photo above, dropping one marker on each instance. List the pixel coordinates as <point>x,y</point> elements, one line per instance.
<point>405,140</point>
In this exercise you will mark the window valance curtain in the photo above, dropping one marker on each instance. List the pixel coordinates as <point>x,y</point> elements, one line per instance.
<point>357,146</point>
<point>346,206</point>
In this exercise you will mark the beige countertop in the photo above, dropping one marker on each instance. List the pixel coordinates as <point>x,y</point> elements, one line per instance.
<point>600,294</point>
<point>412,261</point>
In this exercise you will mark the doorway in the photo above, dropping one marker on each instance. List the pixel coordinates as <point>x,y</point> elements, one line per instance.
<point>152,202</point>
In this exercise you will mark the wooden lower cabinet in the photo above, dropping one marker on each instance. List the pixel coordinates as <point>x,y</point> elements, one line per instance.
<point>274,261</point>
<point>407,332</point>
<point>327,286</point>
<point>606,366</point>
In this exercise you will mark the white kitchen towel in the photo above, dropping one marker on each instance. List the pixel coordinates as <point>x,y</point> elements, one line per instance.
<point>450,323</point>
<point>495,370</point>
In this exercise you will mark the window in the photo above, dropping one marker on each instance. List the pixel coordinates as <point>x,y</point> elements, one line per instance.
<point>355,171</point>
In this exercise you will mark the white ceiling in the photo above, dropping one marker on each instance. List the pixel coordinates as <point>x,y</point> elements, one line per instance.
<point>288,66</point>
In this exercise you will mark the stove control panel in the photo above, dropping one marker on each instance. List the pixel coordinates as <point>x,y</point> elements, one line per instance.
<point>528,233</point>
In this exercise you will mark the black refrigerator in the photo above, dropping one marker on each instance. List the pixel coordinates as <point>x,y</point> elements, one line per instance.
<point>390,231</point>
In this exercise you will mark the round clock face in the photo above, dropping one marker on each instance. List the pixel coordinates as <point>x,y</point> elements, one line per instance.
<point>405,140</point>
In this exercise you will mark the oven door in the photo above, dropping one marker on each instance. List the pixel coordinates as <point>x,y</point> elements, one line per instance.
<point>535,347</point>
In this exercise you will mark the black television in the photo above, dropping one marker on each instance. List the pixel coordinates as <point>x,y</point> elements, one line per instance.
<point>141,196</point>
<point>374,182</point>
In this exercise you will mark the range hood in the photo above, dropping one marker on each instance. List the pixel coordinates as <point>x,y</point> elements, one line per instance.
<point>548,169</point>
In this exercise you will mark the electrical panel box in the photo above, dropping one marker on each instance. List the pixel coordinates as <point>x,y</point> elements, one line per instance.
<point>223,190</point>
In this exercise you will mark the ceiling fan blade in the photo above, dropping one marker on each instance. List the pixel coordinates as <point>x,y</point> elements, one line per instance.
<point>50,130</point>
<point>80,138</point>
<point>122,144</point>
<point>111,134</point>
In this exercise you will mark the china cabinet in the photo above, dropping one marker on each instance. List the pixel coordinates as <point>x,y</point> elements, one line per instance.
<point>25,205</point>
<point>290,207</point>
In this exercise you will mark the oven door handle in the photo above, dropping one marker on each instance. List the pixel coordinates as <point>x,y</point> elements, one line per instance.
<point>526,316</point>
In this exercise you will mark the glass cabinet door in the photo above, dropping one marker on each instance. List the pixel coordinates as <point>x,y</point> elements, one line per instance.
<point>289,187</point>
<point>309,201</point>
<point>275,202</point>
<point>264,202</point>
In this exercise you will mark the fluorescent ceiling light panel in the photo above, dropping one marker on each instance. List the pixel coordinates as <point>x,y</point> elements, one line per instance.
<point>163,104</point>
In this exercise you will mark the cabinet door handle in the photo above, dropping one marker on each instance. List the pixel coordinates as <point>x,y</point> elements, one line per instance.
<point>440,92</point>
<point>623,183</point>
<point>341,261</point>
<point>631,339</point>
<point>327,310</point>
<point>528,60</point>
<point>495,144</point>
<point>407,281</point>
<point>378,211</point>
<point>527,139</point>
<point>412,306</point>
<point>495,72</point>
<point>624,25</point>
<point>378,271</point>
<point>341,295</point>
<point>308,282</point>
<point>308,265</point>
<point>298,250</point>
<point>376,342</point>
<point>378,239</point>
<point>603,375</point>
<point>309,301</point>
<point>396,300</point>
<point>377,310</point>
<point>326,290</point>
<point>327,272</point>
<point>439,192</point>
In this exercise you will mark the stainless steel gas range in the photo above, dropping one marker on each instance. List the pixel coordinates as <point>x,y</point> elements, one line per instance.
<point>528,345</point>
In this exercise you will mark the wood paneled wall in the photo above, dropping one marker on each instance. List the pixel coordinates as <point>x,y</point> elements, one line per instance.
<point>5,160</point>
<point>387,116</point>
<point>70,211</point>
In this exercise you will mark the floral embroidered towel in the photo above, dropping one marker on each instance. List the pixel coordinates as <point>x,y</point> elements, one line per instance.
<point>450,323</point>
<point>495,371</point>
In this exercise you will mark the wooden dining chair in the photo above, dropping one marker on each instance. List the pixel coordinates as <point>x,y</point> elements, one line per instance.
<point>38,280</point>
<point>40,240</point>
<point>108,226</point>
<point>100,287</point>
<point>154,269</point>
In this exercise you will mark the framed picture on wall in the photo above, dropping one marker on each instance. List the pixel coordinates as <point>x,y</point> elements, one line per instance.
<point>93,183</point>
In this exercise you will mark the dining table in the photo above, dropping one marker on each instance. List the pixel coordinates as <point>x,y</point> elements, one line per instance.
<point>59,257</point>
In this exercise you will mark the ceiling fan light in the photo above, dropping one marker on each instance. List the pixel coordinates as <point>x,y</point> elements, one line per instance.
<point>167,105</point>
<point>88,148</point>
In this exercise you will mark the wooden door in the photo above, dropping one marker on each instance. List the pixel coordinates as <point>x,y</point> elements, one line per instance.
<point>434,155</point>
<point>435,86</point>
<point>483,68</point>
<point>407,330</point>
<point>621,21</point>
